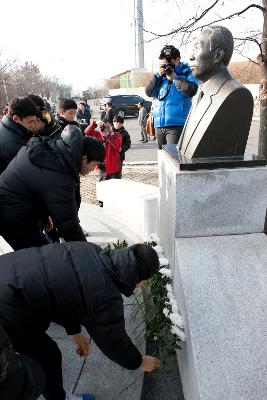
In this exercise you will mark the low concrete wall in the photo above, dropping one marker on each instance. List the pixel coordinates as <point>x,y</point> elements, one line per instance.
<point>133,203</point>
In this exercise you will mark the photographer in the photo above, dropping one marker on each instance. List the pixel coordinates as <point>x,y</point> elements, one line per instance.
<point>172,87</point>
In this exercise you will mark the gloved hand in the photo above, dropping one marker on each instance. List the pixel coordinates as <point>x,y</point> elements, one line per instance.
<point>181,84</point>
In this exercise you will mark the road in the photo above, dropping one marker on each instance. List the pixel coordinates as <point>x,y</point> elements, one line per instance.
<point>149,151</point>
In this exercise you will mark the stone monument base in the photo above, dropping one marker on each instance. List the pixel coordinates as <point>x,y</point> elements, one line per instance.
<point>211,229</point>
<point>221,286</point>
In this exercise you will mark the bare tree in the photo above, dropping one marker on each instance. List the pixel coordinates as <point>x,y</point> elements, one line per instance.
<point>20,80</point>
<point>204,17</point>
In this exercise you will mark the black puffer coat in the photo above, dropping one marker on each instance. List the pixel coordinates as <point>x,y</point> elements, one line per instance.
<point>126,142</point>
<point>12,137</point>
<point>42,180</point>
<point>71,284</point>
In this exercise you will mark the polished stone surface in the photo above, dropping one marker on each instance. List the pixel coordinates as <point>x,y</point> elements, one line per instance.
<point>192,164</point>
<point>209,202</point>
<point>221,287</point>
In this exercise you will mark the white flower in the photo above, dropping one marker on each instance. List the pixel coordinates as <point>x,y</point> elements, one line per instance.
<point>176,331</point>
<point>169,288</point>
<point>175,308</point>
<point>155,338</point>
<point>158,249</point>
<point>154,238</point>
<point>165,271</point>
<point>166,312</point>
<point>163,262</point>
<point>177,319</point>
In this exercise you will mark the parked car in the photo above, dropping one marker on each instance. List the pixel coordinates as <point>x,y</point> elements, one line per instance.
<point>124,104</point>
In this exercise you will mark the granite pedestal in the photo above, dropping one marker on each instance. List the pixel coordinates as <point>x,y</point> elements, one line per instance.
<point>211,229</point>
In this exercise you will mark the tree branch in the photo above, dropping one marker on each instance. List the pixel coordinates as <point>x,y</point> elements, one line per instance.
<point>192,21</point>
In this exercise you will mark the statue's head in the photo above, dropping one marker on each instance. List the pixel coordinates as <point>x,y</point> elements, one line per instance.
<point>212,50</point>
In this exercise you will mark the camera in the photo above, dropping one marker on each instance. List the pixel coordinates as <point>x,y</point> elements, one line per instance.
<point>169,68</point>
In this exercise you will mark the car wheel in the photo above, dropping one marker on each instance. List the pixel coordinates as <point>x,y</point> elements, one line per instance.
<point>121,112</point>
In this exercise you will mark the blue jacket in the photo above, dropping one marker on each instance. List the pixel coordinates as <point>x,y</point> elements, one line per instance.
<point>173,109</point>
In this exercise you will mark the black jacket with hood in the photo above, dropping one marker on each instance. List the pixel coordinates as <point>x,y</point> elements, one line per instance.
<point>71,284</point>
<point>43,180</point>
<point>126,141</point>
<point>12,137</point>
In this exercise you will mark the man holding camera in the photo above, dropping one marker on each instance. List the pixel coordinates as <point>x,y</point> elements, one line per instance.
<point>173,88</point>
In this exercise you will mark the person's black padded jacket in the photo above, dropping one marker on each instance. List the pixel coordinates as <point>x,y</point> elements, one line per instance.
<point>71,284</point>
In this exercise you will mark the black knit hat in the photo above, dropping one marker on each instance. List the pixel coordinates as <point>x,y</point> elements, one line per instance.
<point>147,261</point>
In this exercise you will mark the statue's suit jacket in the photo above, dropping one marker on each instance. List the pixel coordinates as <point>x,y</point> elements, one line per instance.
<point>219,121</point>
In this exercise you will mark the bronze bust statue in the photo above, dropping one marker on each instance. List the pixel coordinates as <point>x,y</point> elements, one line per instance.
<point>219,121</point>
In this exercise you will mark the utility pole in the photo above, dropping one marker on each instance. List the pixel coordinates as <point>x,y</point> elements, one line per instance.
<point>139,33</point>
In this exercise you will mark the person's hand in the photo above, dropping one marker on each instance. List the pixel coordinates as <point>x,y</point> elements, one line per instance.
<point>181,84</point>
<point>120,149</point>
<point>171,76</point>
<point>149,364</point>
<point>82,344</point>
<point>162,70</point>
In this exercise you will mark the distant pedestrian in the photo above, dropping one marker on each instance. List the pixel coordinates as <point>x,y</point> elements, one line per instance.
<point>83,114</point>
<point>72,284</point>
<point>142,121</point>
<point>67,112</point>
<point>108,112</point>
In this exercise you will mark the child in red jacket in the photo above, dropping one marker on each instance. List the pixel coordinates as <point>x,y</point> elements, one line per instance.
<point>113,144</point>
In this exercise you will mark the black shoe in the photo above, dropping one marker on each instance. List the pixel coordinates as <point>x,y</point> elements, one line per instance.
<point>154,137</point>
<point>141,140</point>
<point>144,141</point>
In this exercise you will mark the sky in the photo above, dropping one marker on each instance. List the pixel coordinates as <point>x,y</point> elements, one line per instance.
<point>82,43</point>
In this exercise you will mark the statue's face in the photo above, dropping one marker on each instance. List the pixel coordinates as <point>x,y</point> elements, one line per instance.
<point>202,59</point>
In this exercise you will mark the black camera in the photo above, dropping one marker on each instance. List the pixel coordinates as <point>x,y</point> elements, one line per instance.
<point>169,68</point>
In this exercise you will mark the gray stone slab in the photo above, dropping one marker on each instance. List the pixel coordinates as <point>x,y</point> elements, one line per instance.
<point>221,202</point>
<point>221,287</point>
<point>209,202</point>
<point>163,389</point>
<point>71,362</point>
<point>106,380</point>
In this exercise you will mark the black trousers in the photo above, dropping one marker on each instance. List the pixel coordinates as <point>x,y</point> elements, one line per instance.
<point>168,135</point>
<point>21,378</point>
<point>43,350</point>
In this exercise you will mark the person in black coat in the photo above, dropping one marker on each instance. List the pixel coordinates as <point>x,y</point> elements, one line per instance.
<point>67,113</point>
<point>72,284</point>
<point>126,140</point>
<point>45,125</point>
<point>16,128</point>
<point>42,181</point>
<point>108,113</point>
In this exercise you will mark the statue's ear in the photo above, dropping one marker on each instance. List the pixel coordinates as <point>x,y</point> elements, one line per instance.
<point>218,55</point>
